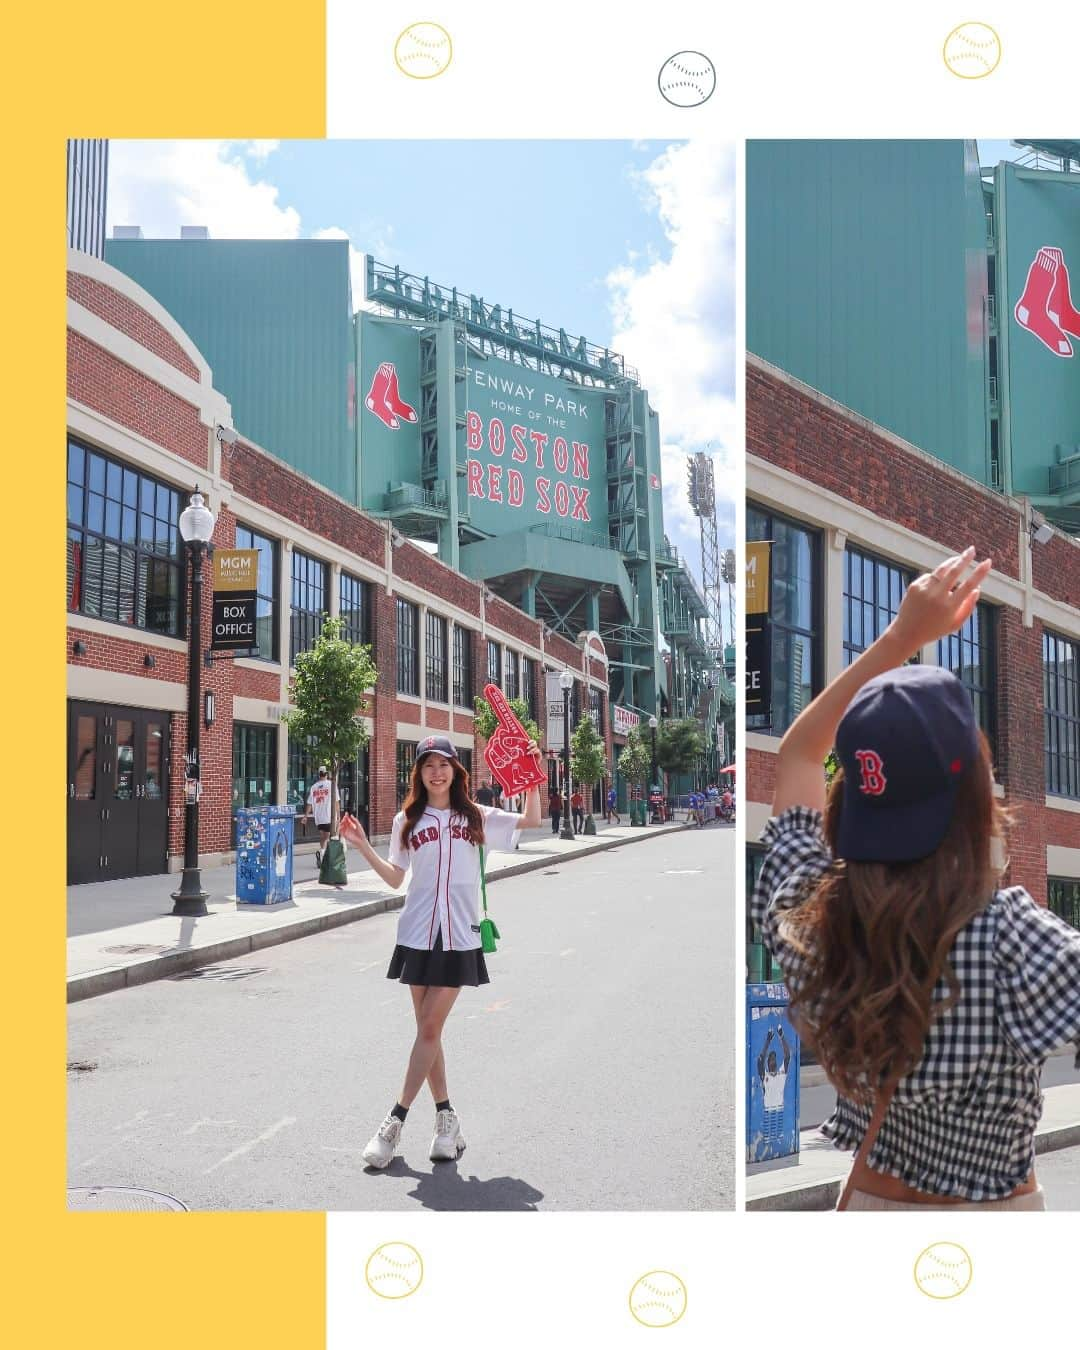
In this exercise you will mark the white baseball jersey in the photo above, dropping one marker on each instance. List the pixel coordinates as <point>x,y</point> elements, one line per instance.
<point>443,894</point>
<point>319,801</point>
<point>774,1086</point>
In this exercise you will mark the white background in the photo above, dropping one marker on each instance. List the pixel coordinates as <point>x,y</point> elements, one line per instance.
<point>589,69</point>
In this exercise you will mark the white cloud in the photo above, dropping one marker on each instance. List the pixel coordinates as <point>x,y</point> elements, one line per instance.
<point>162,185</point>
<point>674,319</point>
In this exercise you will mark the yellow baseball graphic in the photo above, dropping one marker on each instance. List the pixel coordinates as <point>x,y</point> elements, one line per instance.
<point>394,1270</point>
<point>972,51</point>
<point>943,1270</point>
<point>423,50</point>
<point>658,1299</point>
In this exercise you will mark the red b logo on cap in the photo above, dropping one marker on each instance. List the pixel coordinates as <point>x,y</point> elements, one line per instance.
<point>873,779</point>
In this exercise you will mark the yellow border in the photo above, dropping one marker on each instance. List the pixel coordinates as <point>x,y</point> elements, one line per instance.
<point>128,69</point>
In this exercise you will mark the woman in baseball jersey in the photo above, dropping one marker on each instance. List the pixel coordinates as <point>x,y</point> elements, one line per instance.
<point>931,997</point>
<point>435,842</point>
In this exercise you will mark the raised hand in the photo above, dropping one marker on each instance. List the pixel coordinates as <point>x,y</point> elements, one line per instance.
<point>939,602</point>
<point>351,830</point>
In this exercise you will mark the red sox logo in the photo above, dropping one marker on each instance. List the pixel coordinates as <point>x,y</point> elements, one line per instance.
<point>1046,309</point>
<point>384,398</point>
<point>872,770</point>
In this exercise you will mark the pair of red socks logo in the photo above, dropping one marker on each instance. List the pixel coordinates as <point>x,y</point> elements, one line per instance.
<point>384,399</point>
<point>1045,308</point>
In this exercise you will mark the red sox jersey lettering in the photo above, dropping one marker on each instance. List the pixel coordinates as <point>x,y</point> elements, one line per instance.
<point>872,770</point>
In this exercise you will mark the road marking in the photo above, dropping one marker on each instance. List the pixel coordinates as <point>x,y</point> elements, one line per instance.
<point>684,872</point>
<point>246,1148</point>
<point>498,1005</point>
<point>127,1139</point>
<point>569,951</point>
<point>207,1121</point>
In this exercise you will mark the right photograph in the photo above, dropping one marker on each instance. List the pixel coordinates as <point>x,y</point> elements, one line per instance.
<point>912,603</point>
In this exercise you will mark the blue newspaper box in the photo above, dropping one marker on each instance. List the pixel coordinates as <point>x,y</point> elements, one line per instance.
<point>264,855</point>
<point>772,1075</point>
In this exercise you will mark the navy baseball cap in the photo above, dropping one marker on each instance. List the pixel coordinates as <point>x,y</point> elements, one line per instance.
<point>905,743</point>
<point>436,745</point>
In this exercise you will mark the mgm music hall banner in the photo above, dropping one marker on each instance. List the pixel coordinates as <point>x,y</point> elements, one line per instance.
<point>758,630</point>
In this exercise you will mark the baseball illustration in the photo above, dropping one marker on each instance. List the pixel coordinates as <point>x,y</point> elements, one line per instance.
<point>687,79</point>
<point>658,1299</point>
<point>972,51</point>
<point>423,50</point>
<point>943,1270</point>
<point>394,1270</point>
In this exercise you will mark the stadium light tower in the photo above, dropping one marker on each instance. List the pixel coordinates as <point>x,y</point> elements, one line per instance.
<point>702,492</point>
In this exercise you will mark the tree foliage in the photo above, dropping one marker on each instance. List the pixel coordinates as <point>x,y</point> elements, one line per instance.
<point>635,761</point>
<point>485,721</point>
<point>328,693</point>
<point>679,745</point>
<point>588,759</point>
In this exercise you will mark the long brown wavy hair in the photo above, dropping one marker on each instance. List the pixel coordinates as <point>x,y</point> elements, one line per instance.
<point>461,803</point>
<point>877,938</point>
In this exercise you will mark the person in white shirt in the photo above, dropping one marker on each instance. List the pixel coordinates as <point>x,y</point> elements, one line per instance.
<point>318,805</point>
<point>436,841</point>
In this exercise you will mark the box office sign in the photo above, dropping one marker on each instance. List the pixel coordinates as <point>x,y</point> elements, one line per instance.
<point>235,574</point>
<point>758,630</point>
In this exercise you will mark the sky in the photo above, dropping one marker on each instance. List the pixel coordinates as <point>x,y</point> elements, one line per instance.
<point>629,243</point>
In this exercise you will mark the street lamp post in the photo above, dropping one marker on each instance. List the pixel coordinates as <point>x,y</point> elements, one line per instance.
<point>653,782</point>
<point>196,530</point>
<point>566,683</point>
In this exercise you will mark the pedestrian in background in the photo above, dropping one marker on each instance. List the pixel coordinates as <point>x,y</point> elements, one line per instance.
<point>577,807</point>
<point>555,810</point>
<point>484,795</point>
<point>436,841</point>
<point>319,803</point>
<point>931,998</point>
<point>612,805</point>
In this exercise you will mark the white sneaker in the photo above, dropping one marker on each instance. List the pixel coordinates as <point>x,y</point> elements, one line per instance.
<point>383,1143</point>
<point>447,1144</point>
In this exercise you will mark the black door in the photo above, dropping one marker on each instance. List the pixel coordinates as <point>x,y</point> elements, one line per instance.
<point>85,819</point>
<point>153,794</point>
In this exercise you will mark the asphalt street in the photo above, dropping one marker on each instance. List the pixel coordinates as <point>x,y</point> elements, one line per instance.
<point>595,1072</point>
<point>1059,1176</point>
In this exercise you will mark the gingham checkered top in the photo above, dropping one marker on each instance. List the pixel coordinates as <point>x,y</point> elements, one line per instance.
<point>963,1122</point>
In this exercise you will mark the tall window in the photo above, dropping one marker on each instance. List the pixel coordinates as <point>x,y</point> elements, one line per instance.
<point>406,754</point>
<point>873,590</point>
<point>435,657</point>
<point>969,654</point>
<point>354,608</point>
<point>463,685</point>
<point>408,648</point>
<point>795,605</point>
<point>528,685</point>
<point>124,558</point>
<point>1063,898</point>
<point>494,661</point>
<point>465,756</point>
<point>308,603</point>
<point>510,673</point>
<point>1061,716</point>
<point>254,766</point>
<point>266,593</point>
<point>302,773</point>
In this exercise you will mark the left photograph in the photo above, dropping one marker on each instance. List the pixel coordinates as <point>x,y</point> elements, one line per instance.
<point>400,517</point>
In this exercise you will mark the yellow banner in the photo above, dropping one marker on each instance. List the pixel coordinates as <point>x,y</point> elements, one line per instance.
<point>236,569</point>
<point>757,577</point>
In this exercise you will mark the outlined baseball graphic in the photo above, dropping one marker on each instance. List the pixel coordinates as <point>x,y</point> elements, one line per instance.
<point>972,51</point>
<point>394,1270</point>
<point>658,1299</point>
<point>423,50</point>
<point>687,79</point>
<point>943,1270</point>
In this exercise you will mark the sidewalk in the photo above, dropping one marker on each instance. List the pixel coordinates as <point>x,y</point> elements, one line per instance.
<point>122,933</point>
<point>813,1180</point>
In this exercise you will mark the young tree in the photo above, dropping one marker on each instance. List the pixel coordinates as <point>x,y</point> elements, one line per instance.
<point>485,721</point>
<point>587,761</point>
<point>635,762</point>
<point>328,697</point>
<point>679,745</point>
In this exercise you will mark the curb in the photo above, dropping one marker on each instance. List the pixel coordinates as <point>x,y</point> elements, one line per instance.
<point>112,978</point>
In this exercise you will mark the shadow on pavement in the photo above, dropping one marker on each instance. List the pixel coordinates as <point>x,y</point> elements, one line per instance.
<point>446,1189</point>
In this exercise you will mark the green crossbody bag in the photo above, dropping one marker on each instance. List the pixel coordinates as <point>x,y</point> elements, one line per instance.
<point>488,930</point>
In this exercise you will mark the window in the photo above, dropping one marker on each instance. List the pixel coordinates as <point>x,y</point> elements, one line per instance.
<point>435,657</point>
<point>354,608</point>
<point>1063,898</point>
<point>124,556</point>
<point>494,663</point>
<point>466,761</point>
<point>873,590</point>
<point>302,773</point>
<point>266,593</point>
<point>1061,716</point>
<point>406,755</point>
<point>408,648</point>
<point>795,604</point>
<point>308,603</point>
<point>463,685</point>
<point>254,764</point>
<point>969,654</point>
<point>528,685</point>
<point>510,673</point>
<point>596,707</point>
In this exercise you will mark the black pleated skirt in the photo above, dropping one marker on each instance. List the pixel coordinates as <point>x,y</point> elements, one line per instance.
<point>448,970</point>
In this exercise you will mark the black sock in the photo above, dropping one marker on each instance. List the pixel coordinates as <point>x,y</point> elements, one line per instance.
<point>443,1106</point>
<point>399,1111</point>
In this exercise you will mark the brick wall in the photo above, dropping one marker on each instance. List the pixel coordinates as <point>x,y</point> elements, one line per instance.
<point>129,318</point>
